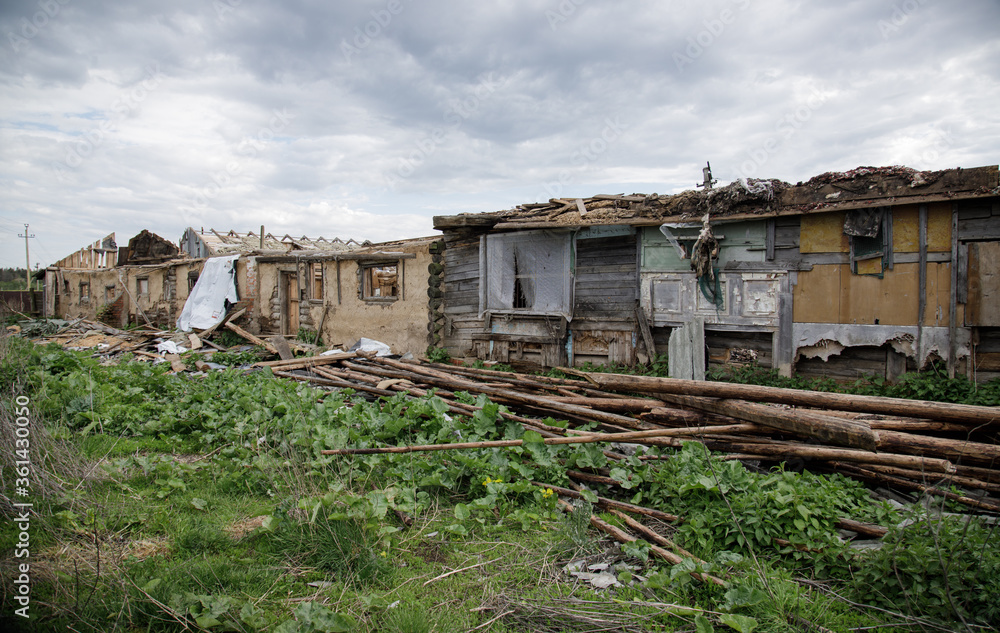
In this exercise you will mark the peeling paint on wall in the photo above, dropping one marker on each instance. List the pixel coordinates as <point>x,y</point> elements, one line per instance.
<point>823,340</point>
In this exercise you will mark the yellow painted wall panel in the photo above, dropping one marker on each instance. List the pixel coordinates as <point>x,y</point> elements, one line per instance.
<point>892,300</point>
<point>817,294</point>
<point>906,228</point>
<point>870,266</point>
<point>939,227</point>
<point>823,233</point>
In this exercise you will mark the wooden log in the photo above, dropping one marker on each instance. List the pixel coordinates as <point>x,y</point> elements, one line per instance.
<point>604,502</point>
<point>906,484</point>
<point>250,337</point>
<point>929,478</point>
<point>439,378</point>
<point>783,451</point>
<point>969,415</point>
<point>634,436</point>
<point>307,363</point>
<point>624,537</point>
<point>225,320</point>
<point>954,450</point>
<point>329,382</point>
<point>864,529</point>
<point>617,405</point>
<point>194,340</point>
<point>650,535</point>
<point>668,415</point>
<point>827,429</point>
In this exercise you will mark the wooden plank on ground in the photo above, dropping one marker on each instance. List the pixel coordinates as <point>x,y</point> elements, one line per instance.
<point>250,337</point>
<point>195,341</point>
<point>280,344</point>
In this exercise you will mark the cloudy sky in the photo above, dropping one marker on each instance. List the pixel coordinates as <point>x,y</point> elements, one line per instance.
<point>365,118</point>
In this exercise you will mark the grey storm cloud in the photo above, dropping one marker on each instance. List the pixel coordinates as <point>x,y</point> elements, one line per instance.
<point>363,119</point>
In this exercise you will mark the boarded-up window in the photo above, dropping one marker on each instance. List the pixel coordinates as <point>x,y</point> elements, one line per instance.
<point>528,271</point>
<point>380,281</point>
<point>870,234</point>
<point>142,286</point>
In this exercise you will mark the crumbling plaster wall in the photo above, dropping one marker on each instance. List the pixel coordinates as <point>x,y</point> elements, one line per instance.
<point>401,323</point>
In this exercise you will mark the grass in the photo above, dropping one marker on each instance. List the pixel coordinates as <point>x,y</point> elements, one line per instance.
<point>204,505</point>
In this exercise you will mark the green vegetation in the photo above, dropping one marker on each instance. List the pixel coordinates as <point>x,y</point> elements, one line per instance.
<point>177,503</point>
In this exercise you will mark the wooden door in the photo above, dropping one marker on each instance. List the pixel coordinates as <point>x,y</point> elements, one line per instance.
<point>290,305</point>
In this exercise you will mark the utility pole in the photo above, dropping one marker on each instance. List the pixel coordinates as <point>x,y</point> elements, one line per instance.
<point>27,260</point>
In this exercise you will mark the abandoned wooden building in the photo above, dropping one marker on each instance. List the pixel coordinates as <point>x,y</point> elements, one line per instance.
<point>875,271</point>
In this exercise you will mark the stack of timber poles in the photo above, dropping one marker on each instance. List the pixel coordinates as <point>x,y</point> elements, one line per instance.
<point>926,448</point>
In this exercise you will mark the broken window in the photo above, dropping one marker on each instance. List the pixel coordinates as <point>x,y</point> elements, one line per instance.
<point>529,271</point>
<point>316,274</point>
<point>142,286</point>
<point>380,280</point>
<point>192,279</point>
<point>870,234</point>
<point>109,293</point>
<point>84,292</point>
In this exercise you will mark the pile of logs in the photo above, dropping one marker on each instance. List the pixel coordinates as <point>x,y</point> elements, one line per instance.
<point>919,447</point>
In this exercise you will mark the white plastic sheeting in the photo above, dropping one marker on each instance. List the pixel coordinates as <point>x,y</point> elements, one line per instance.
<point>528,271</point>
<point>206,305</point>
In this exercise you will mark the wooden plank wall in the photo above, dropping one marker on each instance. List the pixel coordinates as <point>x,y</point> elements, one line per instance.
<point>606,278</point>
<point>607,286</point>
<point>986,348</point>
<point>461,293</point>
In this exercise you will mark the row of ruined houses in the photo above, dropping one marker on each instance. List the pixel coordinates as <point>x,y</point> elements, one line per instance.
<point>876,271</point>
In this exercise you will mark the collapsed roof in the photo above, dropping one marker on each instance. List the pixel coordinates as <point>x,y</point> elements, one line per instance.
<point>743,198</point>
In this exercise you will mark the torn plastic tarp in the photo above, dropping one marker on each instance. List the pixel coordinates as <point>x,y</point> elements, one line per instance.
<point>206,305</point>
<point>371,345</point>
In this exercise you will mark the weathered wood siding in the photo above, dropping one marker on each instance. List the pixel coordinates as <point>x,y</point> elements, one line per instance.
<point>460,285</point>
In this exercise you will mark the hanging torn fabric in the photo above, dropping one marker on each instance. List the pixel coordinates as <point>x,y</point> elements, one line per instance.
<point>705,249</point>
<point>206,305</point>
<point>863,222</point>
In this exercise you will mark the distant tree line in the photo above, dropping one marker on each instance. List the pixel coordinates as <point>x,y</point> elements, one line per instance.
<point>12,278</point>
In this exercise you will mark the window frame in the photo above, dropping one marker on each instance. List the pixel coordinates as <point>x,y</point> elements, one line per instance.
<point>139,282</point>
<point>84,298</point>
<point>366,285</point>
<point>490,260</point>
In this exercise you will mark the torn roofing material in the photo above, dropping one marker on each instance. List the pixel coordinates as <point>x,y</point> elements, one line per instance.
<point>858,188</point>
